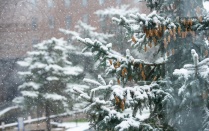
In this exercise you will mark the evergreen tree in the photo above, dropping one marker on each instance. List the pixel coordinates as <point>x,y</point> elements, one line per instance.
<point>48,70</point>
<point>167,39</point>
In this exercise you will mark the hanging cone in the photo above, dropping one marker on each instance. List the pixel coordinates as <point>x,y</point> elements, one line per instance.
<point>143,75</point>
<point>169,38</point>
<point>200,19</point>
<point>147,33</point>
<point>117,101</point>
<point>155,78</point>
<point>145,48</point>
<point>164,40</point>
<point>150,33</point>
<point>165,43</point>
<point>206,53</point>
<point>150,44</point>
<point>122,105</point>
<point>164,28</point>
<point>190,22</point>
<point>155,32</point>
<point>118,81</point>
<point>174,37</point>
<point>155,41</point>
<point>184,21</point>
<point>179,30</point>
<point>174,31</point>
<point>118,64</point>
<point>171,32</point>
<point>126,71</point>
<point>110,62</point>
<point>182,34</point>
<point>160,28</point>
<point>133,39</point>
<point>140,66</point>
<point>123,72</point>
<point>173,51</point>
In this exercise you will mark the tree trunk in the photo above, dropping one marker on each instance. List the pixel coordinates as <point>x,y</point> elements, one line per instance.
<point>48,127</point>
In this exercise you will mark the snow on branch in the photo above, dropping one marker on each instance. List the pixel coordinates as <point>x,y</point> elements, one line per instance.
<point>153,29</point>
<point>68,32</point>
<point>82,94</point>
<point>84,30</point>
<point>121,65</point>
<point>198,68</point>
<point>113,102</point>
<point>109,53</point>
<point>153,20</point>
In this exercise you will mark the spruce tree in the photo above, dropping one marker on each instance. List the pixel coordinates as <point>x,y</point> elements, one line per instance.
<point>173,35</point>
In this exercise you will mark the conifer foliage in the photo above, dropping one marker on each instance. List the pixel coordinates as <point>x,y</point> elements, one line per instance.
<point>48,69</point>
<point>173,92</point>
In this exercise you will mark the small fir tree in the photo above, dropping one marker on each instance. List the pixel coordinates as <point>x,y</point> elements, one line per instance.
<point>48,70</point>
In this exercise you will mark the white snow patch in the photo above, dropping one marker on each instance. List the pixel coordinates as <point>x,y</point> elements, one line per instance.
<point>52,78</point>
<point>81,87</point>
<point>23,63</point>
<point>34,85</point>
<point>32,94</point>
<point>73,70</point>
<point>72,126</point>
<point>54,97</point>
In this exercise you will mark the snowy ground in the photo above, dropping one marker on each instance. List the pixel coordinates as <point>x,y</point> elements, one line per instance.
<point>71,126</point>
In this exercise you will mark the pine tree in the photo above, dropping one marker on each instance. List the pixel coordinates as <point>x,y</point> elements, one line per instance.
<point>48,70</point>
<point>166,39</point>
